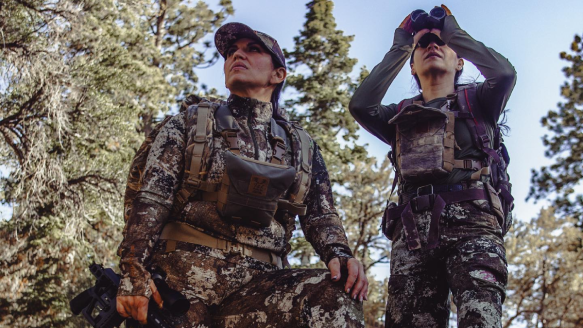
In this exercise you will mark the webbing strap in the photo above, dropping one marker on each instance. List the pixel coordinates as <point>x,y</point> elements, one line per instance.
<point>278,151</point>
<point>199,142</point>
<point>435,202</point>
<point>177,231</point>
<point>194,152</point>
<point>231,137</point>
<point>468,164</point>
<point>481,138</point>
<point>278,145</point>
<point>305,145</point>
<point>292,208</point>
<point>305,165</point>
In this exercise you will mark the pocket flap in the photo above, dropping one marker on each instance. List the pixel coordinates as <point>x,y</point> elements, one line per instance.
<point>258,179</point>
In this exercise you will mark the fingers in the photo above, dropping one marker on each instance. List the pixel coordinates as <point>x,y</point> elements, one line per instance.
<point>357,280</point>
<point>119,304</point>
<point>406,23</point>
<point>133,306</point>
<point>361,287</point>
<point>334,267</point>
<point>156,295</point>
<point>142,311</point>
<point>352,274</point>
<point>447,11</point>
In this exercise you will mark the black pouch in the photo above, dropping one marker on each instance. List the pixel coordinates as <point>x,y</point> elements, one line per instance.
<point>250,190</point>
<point>389,222</point>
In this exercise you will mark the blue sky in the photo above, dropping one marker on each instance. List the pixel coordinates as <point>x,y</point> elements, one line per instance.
<point>531,34</point>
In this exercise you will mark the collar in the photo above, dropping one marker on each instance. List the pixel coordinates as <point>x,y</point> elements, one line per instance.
<point>259,110</point>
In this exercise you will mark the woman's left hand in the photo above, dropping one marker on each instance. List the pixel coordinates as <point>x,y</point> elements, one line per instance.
<point>357,283</point>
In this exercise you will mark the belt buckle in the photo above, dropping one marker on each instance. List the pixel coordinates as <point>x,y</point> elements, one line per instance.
<point>422,190</point>
<point>235,248</point>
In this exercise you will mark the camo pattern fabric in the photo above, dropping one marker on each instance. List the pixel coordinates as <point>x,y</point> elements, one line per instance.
<point>230,290</point>
<point>163,174</point>
<point>470,261</point>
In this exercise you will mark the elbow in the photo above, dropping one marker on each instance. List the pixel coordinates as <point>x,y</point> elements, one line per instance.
<point>355,107</point>
<point>507,75</point>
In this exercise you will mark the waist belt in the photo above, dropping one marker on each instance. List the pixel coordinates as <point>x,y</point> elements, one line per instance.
<point>434,201</point>
<point>177,231</point>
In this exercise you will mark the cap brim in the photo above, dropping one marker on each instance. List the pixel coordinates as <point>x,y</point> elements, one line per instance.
<point>231,32</point>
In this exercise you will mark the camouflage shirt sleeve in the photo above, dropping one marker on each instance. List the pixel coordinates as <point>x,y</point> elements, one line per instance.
<point>321,224</point>
<point>152,206</point>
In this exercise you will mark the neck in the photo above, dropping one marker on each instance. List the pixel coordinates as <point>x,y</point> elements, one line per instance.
<point>262,94</point>
<point>437,87</point>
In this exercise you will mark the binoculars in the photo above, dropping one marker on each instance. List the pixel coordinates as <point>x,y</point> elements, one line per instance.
<point>420,19</point>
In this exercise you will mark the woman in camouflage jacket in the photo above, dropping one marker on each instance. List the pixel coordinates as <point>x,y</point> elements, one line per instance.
<point>232,286</point>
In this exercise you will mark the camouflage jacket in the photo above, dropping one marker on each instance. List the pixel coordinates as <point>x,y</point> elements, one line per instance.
<point>163,174</point>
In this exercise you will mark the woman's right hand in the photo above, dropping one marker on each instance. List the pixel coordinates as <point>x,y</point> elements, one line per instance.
<point>408,27</point>
<point>136,307</point>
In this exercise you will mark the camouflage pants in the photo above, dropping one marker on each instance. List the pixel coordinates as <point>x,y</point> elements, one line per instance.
<point>230,290</point>
<point>470,261</point>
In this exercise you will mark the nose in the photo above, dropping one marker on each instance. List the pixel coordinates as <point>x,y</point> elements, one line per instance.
<point>432,45</point>
<point>238,54</point>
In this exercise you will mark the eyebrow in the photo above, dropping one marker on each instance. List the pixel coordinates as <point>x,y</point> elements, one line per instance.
<point>250,43</point>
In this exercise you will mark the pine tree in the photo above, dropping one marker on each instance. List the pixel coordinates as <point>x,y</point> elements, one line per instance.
<point>320,69</point>
<point>565,145</point>
<point>74,79</point>
<point>178,30</point>
<point>545,273</point>
<point>322,88</point>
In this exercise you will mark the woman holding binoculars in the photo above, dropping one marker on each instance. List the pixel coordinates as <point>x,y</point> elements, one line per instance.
<point>454,201</point>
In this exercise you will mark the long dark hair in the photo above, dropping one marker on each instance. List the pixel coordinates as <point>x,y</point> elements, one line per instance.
<point>277,92</point>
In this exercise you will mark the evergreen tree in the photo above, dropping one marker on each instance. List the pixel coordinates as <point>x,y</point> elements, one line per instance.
<point>565,145</point>
<point>545,273</point>
<point>178,30</point>
<point>75,76</point>
<point>322,85</point>
<point>320,69</point>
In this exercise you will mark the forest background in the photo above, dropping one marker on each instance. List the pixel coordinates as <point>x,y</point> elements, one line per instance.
<point>83,81</point>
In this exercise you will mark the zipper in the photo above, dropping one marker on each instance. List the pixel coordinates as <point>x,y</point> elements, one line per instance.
<point>250,109</point>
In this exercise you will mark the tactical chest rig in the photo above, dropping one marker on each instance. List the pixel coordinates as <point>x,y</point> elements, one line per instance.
<point>251,193</point>
<point>423,150</point>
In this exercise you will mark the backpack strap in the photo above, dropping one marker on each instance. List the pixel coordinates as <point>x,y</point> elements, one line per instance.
<point>293,203</point>
<point>227,126</point>
<point>193,173</point>
<point>278,137</point>
<point>306,166</point>
<point>467,101</point>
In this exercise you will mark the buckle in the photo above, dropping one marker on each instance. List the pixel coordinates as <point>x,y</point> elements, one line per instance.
<point>425,190</point>
<point>422,203</point>
<point>194,183</point>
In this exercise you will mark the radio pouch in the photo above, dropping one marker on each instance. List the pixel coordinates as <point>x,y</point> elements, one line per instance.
<point>250,190</point>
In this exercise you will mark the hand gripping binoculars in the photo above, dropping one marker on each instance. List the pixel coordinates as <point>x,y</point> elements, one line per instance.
<point>420,19</point>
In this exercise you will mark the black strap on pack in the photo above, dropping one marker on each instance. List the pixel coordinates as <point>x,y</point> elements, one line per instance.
<point>467,102</point>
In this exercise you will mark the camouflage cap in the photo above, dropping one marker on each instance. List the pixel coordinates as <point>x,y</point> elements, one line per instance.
<point>231,32</point>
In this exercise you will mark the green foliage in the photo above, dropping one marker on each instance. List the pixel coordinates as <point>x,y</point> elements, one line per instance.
<point>75,78</point>
<point>545,259</point>
<point>320,74</point>
<point>565,144</point>
<point>323,87</point>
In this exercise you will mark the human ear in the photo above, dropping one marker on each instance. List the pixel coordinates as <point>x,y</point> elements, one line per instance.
<point>278,75</point>
<point>460,64</point>
<point>412,70</point>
